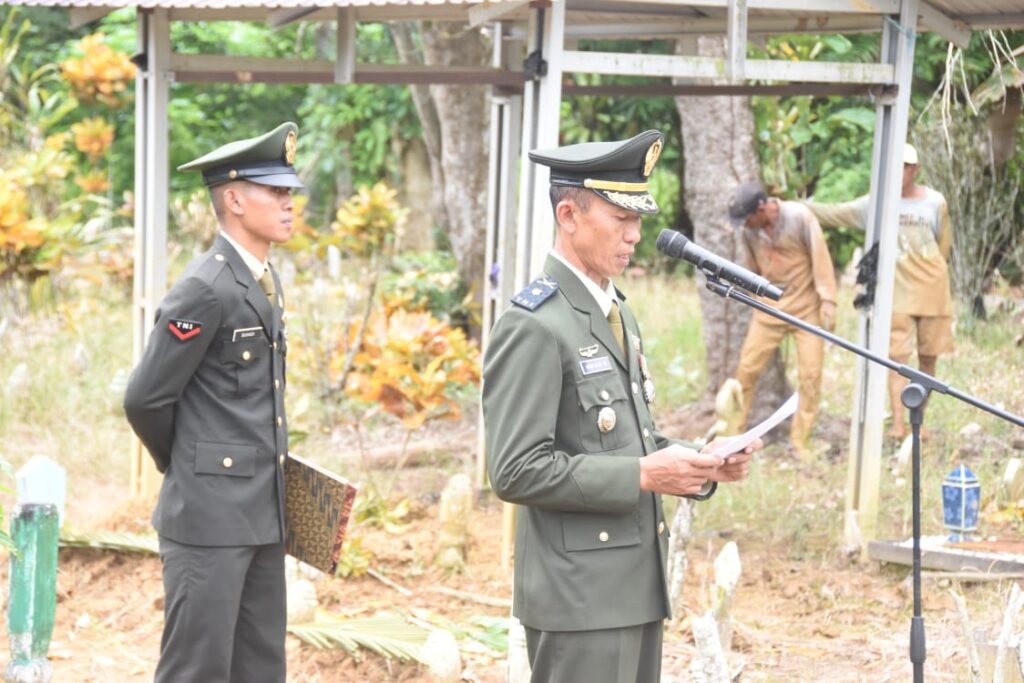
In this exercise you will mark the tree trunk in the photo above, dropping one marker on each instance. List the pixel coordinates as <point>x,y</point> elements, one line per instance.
<point>457,117</point>
<point>417,192</point>
<point>408,53</point>
<point>718,142</point>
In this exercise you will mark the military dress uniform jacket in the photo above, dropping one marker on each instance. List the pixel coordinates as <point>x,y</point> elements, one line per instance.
<point>590,546</point>
<point>207,400</point>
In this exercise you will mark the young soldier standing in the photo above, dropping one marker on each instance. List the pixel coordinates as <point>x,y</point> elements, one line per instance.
<point>207,400</point>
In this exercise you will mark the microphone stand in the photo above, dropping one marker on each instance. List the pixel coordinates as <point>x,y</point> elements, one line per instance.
<point>914,396</point>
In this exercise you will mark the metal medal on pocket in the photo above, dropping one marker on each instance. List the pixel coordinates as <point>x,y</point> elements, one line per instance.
<point>606,419</point>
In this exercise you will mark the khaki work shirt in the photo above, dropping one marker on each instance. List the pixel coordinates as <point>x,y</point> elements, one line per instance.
<point>921,286</point>
<point>793,256</point>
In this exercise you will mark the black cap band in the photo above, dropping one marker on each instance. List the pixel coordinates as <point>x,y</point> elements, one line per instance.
<point>252,172</point>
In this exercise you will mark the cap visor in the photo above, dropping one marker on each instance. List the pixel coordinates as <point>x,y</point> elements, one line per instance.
<point>641,202</point>
<point>737,222</point>
<point>278,180</point>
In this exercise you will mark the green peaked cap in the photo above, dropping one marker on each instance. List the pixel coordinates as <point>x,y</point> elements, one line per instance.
<point>615,171</point>
<point>266,159</point>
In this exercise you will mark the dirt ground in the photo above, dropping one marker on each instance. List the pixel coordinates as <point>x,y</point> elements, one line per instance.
<point>795,621</point>
<point>808,616</point>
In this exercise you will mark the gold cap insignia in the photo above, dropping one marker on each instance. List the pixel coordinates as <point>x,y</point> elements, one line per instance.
<point>290,143</point>
<point>653,152</point>
<point>232,174</point>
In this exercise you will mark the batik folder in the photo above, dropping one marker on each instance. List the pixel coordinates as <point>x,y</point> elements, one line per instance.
<point>318,504</point>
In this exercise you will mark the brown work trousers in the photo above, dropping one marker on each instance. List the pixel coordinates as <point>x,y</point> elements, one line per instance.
<point>763,337</point>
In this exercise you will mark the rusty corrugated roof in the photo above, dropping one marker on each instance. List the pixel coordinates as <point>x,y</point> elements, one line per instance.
<point>976,14</point>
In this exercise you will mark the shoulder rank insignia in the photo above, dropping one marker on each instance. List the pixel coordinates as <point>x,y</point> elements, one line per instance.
<point>184,330</point>
<point>535,293</point>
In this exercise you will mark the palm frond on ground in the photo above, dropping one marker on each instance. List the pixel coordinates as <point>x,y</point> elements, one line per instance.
<point>387,636</point>
<point>110,540</point>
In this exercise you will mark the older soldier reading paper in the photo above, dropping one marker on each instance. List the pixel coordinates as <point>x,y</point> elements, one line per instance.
<point>571,438</point>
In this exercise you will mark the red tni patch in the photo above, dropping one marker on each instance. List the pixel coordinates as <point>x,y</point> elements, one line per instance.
<point>184,329</point>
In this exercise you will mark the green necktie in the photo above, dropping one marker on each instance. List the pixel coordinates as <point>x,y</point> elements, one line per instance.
<point>615,322</point>
<point>267,284</point>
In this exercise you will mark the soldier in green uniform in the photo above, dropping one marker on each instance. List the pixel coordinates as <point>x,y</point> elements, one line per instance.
<point>207,400</point>
<point>570,436</point>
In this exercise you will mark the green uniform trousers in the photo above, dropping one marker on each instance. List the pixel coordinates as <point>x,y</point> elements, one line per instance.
<point>224,614</point>
<point>631,654</point>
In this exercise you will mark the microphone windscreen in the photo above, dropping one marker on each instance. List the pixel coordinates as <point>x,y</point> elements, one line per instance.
<point>671,242</point>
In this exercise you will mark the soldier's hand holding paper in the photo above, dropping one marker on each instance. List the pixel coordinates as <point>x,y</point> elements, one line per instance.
<point>677,470</point>
<point>735,466</point>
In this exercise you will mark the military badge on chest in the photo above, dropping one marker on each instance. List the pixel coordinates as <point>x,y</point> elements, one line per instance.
<point>648,382</point>
<point>606,419</point>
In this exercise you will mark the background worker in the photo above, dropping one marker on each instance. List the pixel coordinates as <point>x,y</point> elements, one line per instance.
<point>922,303</point>
<point>782,241</point>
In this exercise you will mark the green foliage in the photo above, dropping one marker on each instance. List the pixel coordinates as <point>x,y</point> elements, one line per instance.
<point>6,542</point>
<point>980,195</point>
<point>372,508</point>
<point>354,560</point>
<point>429,281</point>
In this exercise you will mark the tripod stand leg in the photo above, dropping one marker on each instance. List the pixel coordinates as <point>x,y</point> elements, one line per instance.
<point>914,397</point>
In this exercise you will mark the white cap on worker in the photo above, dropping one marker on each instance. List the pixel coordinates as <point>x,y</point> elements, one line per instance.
<point>909,154</point>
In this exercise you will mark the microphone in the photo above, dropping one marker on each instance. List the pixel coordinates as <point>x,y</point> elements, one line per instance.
<point>673,243</point>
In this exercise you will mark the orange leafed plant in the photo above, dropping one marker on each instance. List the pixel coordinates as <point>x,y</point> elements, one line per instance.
<point>410,363</point>
<point>369,220</point>
<point>93,137</point>
<point>18,233</point>
<point>101,74</point>
<point>14,233</point>
<point>56,142</point>
<point>93,182</point>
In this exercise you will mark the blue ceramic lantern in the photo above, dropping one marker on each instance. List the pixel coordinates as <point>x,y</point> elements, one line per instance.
<point>961,496</point>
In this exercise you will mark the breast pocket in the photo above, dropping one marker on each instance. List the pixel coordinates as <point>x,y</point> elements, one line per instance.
<point>605,413</point>
<point>247,361</point>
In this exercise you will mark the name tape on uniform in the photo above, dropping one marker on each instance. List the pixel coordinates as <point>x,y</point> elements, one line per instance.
<point>596,365</point>
<point>245,333</point>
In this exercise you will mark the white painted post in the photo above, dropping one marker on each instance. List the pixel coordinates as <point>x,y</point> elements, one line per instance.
<point>736,45</point>
<point>41,481</point>
<point>728,569</point>
<point>541,118</point>
<point>333,263</point>
<point>151,185</point>
<point>864,469</point>
<point>542,104</point>
<point>345,57</point>
<point>505,151</point>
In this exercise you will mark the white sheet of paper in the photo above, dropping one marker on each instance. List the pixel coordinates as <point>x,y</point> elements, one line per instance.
<point>735,444</point>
